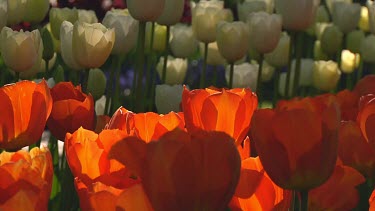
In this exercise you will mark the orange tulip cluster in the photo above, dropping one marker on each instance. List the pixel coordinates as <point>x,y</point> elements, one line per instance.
<point>198,159</point>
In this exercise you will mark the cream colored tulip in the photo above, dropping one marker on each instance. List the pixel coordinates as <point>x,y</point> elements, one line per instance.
<point>247,7</point>
<point>264,31</point>
<point>160,37</point>
<point>176,70</point>
<point>346,15</point>
<point>126,30</point>
<point>326,75</point>
<point>145,10</point>
<point>66,39</point>
<point>172,12</point>
<point>168,98</point>
<point>20,50</point>
<point>319,54</point>
<point>371,14</point>
<point>364,23</point>
<point>232,40</point>
<point>368,49</point>
<point>16,11</point>
<point>331,2</point>
<point>213,55</point>
<point>3,13</point>
<point>92,44</point>
<point>267,71</point>
<point>58,15</point>
<point>245,75</point>
<point>183,42</point>
<point>87,16</point>
<point>36,10</point>
<point>349,61</point>
<point>331,40</point>
<point>280,55</point>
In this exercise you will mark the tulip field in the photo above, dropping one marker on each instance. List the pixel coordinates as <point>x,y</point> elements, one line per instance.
<point>187,105</point>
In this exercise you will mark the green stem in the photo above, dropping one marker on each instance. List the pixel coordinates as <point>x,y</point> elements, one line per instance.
<point>139,105</point>
<point>116,93</point>
<point>153,87</point>
<point>109,93</point>
<point>46,75</point>
<point>360,69</point>
<point>259,79</point>
<point>329,12</point>
<point>297,72</point>
<point>276,87</point>
<point>164,75</point>
<point>304,200</point>
<point>203,75</point>
<point>231,75</point>
<point>288,75</point>
<point>349,81</point>
<point>149,62</point>
<point>85,80</point>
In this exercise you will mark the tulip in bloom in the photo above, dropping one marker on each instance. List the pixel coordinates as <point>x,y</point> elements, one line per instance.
<point>36,10</point>
<point>25,109</point>
<point>214,57</point>
<point>176,70</point>
<point>305,80</point>
<point>371,13</point>
<point>87,16</point>
<point>71,110</point>
<point>364,23</point>
<point>326,75</point>
<point>280,55</point>
<point>16,11</point>
<point>26,179</point>
<point>66,37</point>
<point>172,12</point>
<point>183,42</point>
<point>365,86</point>
<point>349,61</point>
<point>346,15</point>
<point>297,141</point>
<point>180,170</point>
<point>168,98</point>
<point>145,10</point>
<point>126,30</point>
<point>368,49</point>
<point>58,15</point>
<point>92,44</point>
<point>247,7</point>
<point>20,50</point>
<point>331,40</point>
<point>229,111</point>
<point>160,35</point>
<point>232,40</point>
<point>245,75</point>
<point>366,118</point>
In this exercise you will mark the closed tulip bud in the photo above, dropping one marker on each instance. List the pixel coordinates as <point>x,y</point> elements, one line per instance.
<point>16,11</point>
<point>168,98</point>
<point>368,49</point>
<point>36,10</point>
<point>176,70</point>
<point>319,54</point>
<point>172,12</point>
<point>326,75</point>
<point>280,55</point>
<point>331,40</point>
<point>48,51</point>
<point>183,43</point>
<point>59,75</point>
<point>363,23</point>
<point>160,35</point>
<point>245,75</point>
<point>371,14</point>
<point>126,30</point>
<point>145,10</point>
<point>205,17</point>
<point>247,7</point>
<point>92,44</point>
<point>349,61</point>
<point>320,28</point>
<point>232,40</point>
<point>66,37</point>
<point>346,16</point>
<point>3,13</point>
<point>322,15</point>
<point>87,16</point>
<point>354,40</point>
<point>96,83</point>
<point>20,50</point>
<point>58,15</point>
<point>213,56</point>
<point>297,14</point>
<point>264,31</point>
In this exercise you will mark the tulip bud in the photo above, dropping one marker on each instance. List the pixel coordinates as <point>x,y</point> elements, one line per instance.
<point>3,13</point>
<point>245,75</point>
<point>363,23</point>
<point>172,12</point>
<point>59,74</point>
<point>66,37</point>
<point>319,54</point>
<point>36,10</point>
<point>349,61</point>
<point>126,30</point>
<point>213,55</point>
<point>160,37</point>
<point>87,16</point>
<point>331,39</point>
<point>58,15</point>
<point>176,70</point>
<point>96,83</point>
<point>279,57</point>
<point>354,40</point>
<point>322,15</point>
<point>16,11</point>
<point>368,49</point>
<point>371,14</point>
<point>92,44</point>
<point>48,51</point>
<point>346,15</point>
<point>232,40</point>
<point>183,43</point>
<point>145,10</point>
<point>326,75</point>
<point>267,71</point>
<point>297,14</point>
<point>20,50</point>
<point>247,7</point>
<point>168,98</point>
<point>320,28</point>
<point>264,31</point>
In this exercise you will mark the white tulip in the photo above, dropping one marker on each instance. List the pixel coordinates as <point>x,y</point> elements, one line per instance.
<point>183,42</point>
<point>168,98</point>
<point>326,75</point>
<point>16,11</point>
<point>87,16</point>
<point>245,75</point>
<point>172,12</point>
<point>346,15</point>
<point>176,70</point>
<point>66,38</point>
<point>145,10</point>
<point>3,13</point>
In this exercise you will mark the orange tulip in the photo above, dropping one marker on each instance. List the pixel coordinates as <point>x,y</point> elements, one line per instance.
<point>101,122</point>
<point>146,126</point>
<point>297,141</point>
<point>338,192</point>
<point>229,111</point>
<point>366,118</point>
<point>86,153</point>
<point>372,201</point>
<point>183,171</point>
<point>98,196</point>
<point>26,179</point>
<point>365,86</point>
<point>71,110</point>
<point>25,107</point>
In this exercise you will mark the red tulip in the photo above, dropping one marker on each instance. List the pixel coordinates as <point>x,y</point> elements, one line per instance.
<point>101,122</point>
<point>183,171</point>
<point>372,201</point>
<point>365,86</point>
<point>25,107</point>
<point>71,110</point>
<point>229,111</point>
<point>366,118</point>
<point>348,102</point>
<point>26,179</point>
<point>297,141</point>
